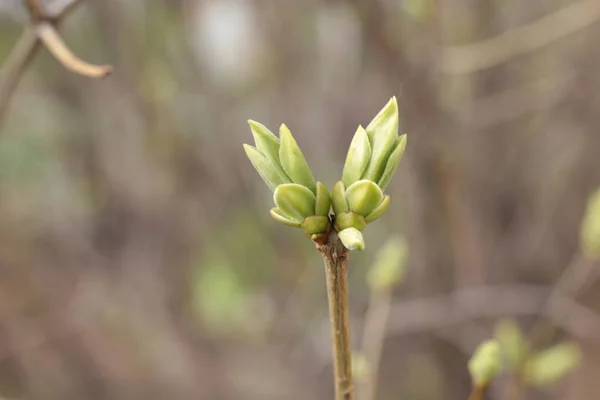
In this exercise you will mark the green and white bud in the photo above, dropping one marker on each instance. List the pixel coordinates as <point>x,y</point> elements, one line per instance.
<point>338,199</point>
<point>323,200</point>
<point>393,162</point>
<point>265,167</point>
<point>363,197</point>
<point>382,132</point>
<point>352,239</point>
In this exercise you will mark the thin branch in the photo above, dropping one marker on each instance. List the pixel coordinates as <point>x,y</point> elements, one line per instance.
<point>54,43</point>
<point>376,320</point>
<point>478,392</point>
<point>335,256</point>
<point>488,53</point>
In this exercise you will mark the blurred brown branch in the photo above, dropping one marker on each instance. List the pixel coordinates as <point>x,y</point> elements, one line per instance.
<point>490,52</point>
<point>43,30</point>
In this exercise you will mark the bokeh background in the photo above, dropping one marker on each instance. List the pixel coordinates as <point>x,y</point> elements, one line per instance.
<point>137,256</point>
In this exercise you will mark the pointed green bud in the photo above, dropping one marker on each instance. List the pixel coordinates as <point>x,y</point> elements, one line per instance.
<point>315,224</point>
<point>363,197</point>
<point>382,133</point>
<point>514,346</point>
<point>390,265</point>
<point>486,363</point>
<point>294,201</point>
<point>552,364</point>
<point>338,198</point>
<point>268,144</point>
<point>380,210</point>
<point>352,239</point>
<point>264,167</point>
<point>393,162</point>
<point>350,220</point>
<point>323,200</point>
<point>293,161</point>
<point>590,228</point>
<point>358,157</point>
<point>284,219</point>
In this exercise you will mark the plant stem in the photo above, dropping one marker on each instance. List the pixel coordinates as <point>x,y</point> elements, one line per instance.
<point>478,392</point>
<point>335,256</point>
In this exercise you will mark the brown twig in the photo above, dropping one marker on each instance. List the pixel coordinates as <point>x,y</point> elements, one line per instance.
<point>478,392</point>
<point>335,256</point>
<point>54,43</point>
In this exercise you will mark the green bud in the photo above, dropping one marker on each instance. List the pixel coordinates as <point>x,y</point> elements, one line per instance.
<point>323,200</point>
<point>352,239</point>
<point>315,224</point>
<point>390,264</point>
<point>363,197</point>
<point>590,228</point>
<point>382,133</point>
<point>295,201</point>
<point>393,162</point>
<point>513,343</point>
<point>338,198</point>
<point>379,211</point>
<point>268,144</point>
<point>486,363</point>
<point>358,157</point>
<point>552,364</point>
<point>293,161</point>
<point>264,167</point>
<point>350,220</point>
<point>284,219</point>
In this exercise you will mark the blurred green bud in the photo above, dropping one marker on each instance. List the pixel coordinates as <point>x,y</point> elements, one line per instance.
<point>552,364</point>
<point>352,239</point>
<point>268,144</point>
<point>390,264</point>
<point>363,197</point>
<point>486,363</point>
<point>323,200</point>
<point>514,346</point>
<point>590,228</point>
<point>295,201</point>
<point>360,367</point>
<point>358,157</point>
<point>293,161</point>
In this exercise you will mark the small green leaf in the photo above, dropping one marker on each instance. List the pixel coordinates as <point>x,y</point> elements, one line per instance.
<point>390,264</point>
<point>393,162</point>
<point>590,228</point>
<point>338,198</point>
<point>552,364</point>
<point>486,363</point>
<point>514,346</point>
<point>380,210</point>
<point>295,201</point>
<point>268,144</point>
<point>315,224</point>
<point>350,220</point>
<point>363,197</point>
<point>382,133</point>
<point>283,218</point>
<point>264,167</point>
<point>293,161</point>
<point>323,200</point>
<point>358,157</point>
<point>352,239</point>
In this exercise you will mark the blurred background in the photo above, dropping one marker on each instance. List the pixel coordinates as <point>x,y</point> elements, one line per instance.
<point>137,256</point>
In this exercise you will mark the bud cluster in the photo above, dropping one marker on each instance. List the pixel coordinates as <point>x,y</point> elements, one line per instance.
<point>357,198</point>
